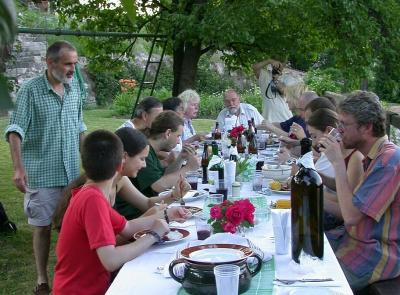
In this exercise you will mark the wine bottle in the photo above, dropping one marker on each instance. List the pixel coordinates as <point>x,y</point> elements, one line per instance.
<point>307,207</point>
<point>217,132</point>
<point>252,139</point>
<point>254,125</point>
<point>204,164</point>
<point>214,147</point>
<point>241,148</point>
<point>233,153</point>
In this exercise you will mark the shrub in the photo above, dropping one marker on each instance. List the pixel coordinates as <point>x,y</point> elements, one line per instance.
<point>329,79</point>
<point>106,87</point>
<point>210,105</point>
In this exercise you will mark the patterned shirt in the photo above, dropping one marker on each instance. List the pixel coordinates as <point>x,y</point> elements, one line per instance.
<point>372,246</point>
<point>49,128</point>
<point>247,111</point>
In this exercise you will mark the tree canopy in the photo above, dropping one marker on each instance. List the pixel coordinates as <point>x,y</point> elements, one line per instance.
<point>360,38</point>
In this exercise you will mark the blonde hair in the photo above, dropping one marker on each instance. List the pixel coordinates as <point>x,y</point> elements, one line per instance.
<point>189,96</point>
<point>294,91</point>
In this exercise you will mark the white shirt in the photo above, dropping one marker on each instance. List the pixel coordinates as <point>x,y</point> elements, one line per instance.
<point>275,108</point>
<point>324,166</point>
<point>247,111</point>
<point>127,123</point>
<point>188,129</point>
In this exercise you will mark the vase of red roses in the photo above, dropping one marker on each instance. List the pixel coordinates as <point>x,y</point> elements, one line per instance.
<point>236,136</point>
<point>232,217</point>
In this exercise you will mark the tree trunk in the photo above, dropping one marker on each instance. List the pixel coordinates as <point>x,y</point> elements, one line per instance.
<point>186,58</point>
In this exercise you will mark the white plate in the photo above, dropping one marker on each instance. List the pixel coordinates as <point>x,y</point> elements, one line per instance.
<point>183,232</point>
<point>216,255</point>
<point>192,196</point>
<point>281,192</point>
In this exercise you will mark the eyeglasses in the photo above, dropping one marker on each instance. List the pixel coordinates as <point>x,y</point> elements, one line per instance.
<point>342,125</point>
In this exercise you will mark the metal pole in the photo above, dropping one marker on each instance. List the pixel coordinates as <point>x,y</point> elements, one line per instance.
<point>58,32</point>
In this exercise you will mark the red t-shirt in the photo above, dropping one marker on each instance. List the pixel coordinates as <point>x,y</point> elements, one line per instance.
<point>89,223</point>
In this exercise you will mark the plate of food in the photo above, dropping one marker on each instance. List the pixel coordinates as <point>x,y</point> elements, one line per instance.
<point>194,195</point>
<point>278,187</point>
<point>216,253</point>
<point>175,235</point>
<point>193,210</point>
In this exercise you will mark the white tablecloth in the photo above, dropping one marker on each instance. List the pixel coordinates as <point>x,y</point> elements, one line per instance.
<point>139,275</point>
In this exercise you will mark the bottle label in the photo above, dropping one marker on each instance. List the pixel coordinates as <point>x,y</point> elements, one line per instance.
<point>306,161</point>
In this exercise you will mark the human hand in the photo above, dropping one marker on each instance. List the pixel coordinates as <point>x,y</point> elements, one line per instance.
<point>297,130</point>
<point>331,148</point>
<point>181,188</point>
<point>193,162</point>
<point>187,150</point>
<point>179,214</point>
<point>20,179</point>
<point>160,226</point>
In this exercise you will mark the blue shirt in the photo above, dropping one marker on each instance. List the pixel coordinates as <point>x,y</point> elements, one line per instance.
<point>295,119</point>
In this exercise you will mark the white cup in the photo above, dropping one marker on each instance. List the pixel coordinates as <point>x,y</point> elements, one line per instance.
<point>227,279</point>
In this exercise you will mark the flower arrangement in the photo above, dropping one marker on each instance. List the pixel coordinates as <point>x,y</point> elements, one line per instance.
<point>236,131</point>
<point>232,216</point>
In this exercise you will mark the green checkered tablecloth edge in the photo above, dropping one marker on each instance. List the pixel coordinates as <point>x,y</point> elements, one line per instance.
<point>261,284</point>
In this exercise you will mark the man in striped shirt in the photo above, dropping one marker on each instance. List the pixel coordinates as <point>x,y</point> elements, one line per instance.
<point>44,133</point>
<point>367,246</point>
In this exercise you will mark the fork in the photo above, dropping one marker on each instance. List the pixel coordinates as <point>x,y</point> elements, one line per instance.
<point>291,282</point>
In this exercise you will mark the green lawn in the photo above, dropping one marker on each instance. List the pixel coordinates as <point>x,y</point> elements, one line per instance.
<point>17,265</point>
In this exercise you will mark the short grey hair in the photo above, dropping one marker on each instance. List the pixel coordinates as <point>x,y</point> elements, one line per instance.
<point>365,107</point>
<point>188,96</point>
<point>54,50</point>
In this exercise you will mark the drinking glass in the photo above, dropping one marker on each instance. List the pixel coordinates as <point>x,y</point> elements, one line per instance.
<point>192,177</point>
<point>203,229</point>
<point>257,181</point>
<point>227,279</point>
<point>333,132</point>
<point>210,201</point>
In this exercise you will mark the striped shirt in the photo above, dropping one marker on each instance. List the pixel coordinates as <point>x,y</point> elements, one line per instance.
<point>372,246</point>
<point>49,128</point>
<point>188,129</point>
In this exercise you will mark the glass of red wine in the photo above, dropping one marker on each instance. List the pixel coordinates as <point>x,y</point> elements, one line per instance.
<point>203,229</point>
<point>192,177</point>
<point>332,132</point>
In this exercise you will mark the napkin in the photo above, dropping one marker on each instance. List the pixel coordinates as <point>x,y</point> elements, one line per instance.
<point>230,122</point>
<point>281,227</point>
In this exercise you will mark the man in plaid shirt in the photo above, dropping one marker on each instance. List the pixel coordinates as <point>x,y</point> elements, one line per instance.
<point>44,134</point>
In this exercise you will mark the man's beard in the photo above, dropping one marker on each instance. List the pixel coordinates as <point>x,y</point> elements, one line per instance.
<point>59,77</point>
<point>233,110</point>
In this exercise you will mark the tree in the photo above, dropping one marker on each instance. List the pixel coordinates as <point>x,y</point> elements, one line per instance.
<point>358,34</point>
<point>7,34</point>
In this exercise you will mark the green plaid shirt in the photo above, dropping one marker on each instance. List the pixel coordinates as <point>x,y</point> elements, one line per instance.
<point>49,128</point>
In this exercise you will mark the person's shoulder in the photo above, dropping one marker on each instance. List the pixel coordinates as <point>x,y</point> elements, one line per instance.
<point>35,82</point>
<point>249,106</point>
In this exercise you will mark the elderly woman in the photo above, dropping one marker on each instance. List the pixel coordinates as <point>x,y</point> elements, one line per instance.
<point>149,108</point>
<point>190,100</point>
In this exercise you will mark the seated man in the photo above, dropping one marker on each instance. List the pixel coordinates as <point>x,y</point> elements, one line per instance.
<point>236,113</point>
<point>164,135</point>
<point>149,108</point>
<point>367,246</point>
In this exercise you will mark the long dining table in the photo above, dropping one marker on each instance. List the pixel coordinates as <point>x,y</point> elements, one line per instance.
<point>148,273</point>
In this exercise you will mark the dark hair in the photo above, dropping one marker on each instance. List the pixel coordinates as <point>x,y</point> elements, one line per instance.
<point>54,50</point>
<point>65,198</point>
<point>364,106</point>
<point>320,103</point>
<point>101,155</point>
<point>133,140</point>
<point>322,118</point>
<point>164,121</point>
<point>172,103</point>
<point>146,105</point>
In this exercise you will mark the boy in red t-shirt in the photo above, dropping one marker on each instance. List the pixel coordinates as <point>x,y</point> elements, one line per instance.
<point>86,249</point>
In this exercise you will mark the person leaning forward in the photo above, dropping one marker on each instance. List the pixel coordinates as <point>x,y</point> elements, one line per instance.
<point>44,134</point>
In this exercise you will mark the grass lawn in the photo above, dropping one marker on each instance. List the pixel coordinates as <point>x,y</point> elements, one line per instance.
<point>17,265</point>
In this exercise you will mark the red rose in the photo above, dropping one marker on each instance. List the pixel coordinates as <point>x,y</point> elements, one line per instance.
<point>216,212</point>
<point>229,227</point>
<point>247,208</point>
<point>234,214</point>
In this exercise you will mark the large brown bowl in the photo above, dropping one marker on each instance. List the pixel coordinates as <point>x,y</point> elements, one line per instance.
<point>198,278</point>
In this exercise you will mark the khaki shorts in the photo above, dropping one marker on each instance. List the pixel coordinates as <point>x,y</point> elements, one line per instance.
<point>40,204</point>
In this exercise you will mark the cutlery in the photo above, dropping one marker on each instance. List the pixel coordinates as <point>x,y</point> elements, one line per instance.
<point>255,248</point>
<point>290,282</point>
